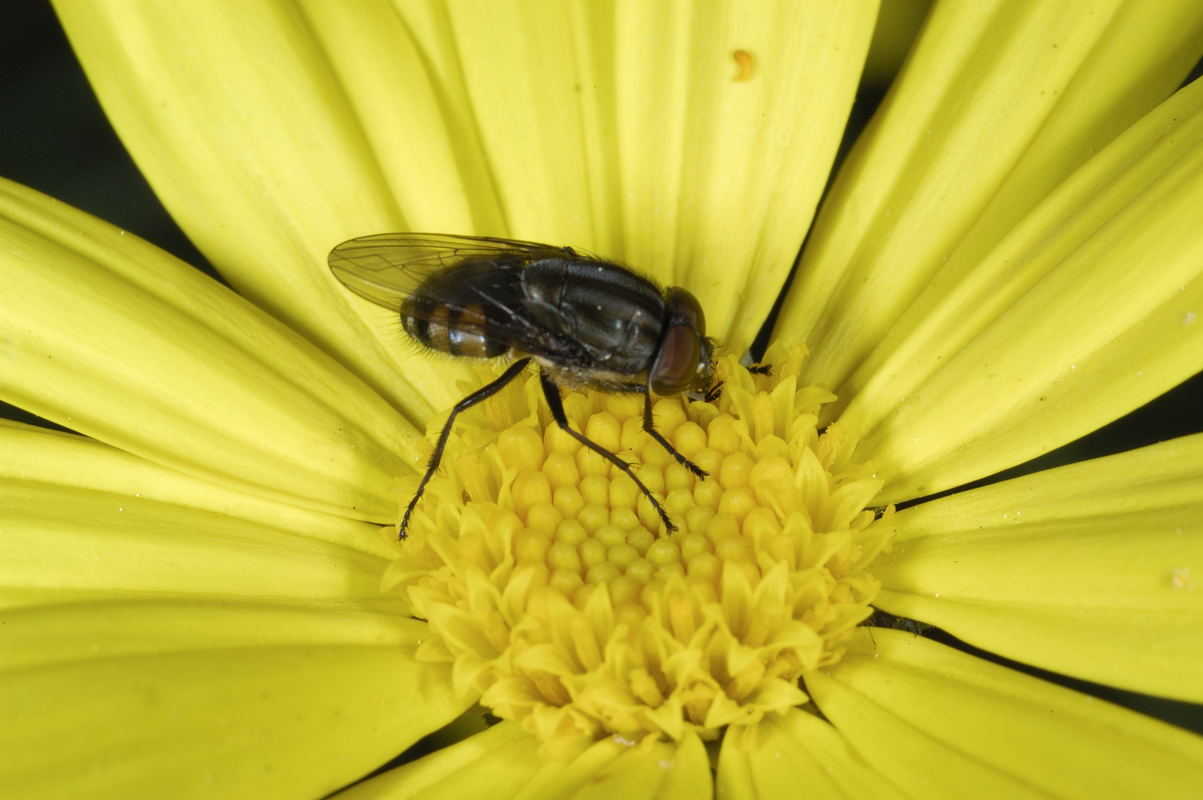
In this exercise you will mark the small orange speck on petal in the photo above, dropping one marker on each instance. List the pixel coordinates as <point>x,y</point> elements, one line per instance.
<point>745,66</point>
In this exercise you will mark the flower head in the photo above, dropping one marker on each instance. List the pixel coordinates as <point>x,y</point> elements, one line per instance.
<point>196,580</point>
<point>562,603</point>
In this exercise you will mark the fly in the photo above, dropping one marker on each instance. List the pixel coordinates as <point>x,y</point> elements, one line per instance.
<point>586,322</point>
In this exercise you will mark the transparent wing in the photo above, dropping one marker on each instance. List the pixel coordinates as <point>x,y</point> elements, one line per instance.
<point>386,268</point>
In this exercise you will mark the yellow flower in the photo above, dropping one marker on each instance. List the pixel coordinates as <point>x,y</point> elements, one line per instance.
<point>201,595</point>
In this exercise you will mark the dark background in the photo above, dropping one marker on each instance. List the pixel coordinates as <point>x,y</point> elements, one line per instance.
<point>56,139</point>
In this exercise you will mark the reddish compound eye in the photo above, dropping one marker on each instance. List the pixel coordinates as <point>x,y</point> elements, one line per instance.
<point>683,304</point>
<point>675,369</point>
<point>676,365</point>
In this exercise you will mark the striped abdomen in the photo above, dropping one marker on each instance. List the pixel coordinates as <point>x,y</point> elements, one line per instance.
<point>450,311</point>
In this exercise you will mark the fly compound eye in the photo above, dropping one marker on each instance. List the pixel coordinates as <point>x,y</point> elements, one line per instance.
<point>676,365</point>
<point>682,303</point>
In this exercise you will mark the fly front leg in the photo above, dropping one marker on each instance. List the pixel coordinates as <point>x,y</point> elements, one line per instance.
<point>650,430</point>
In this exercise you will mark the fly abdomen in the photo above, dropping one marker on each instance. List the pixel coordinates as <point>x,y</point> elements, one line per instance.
<point>450,311</point>
<point>450,329</point>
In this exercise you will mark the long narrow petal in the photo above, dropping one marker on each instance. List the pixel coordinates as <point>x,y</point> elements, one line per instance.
<point>111,337</point>
<point>68,460</point>
<point>942,723</point>
<point>1090,570</point>
<point>1090,308</point>
<point>498,761</point>
<point>140,626</point>
<point>796,749</point>
<point>668,117</point>
<point>998,103</point>
<point>505,761</point>
<point>658,134</point>
<point>616,767</point>
<point>63,544</point>
<point>238,122</point>
<point>266,721</point>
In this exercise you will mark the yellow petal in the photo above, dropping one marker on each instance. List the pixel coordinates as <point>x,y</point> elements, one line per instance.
<point>942,723</point>
<point>138,626</point>
<point>998,103</point>
<point>1091,570</point>
<point>1087,310</point>
<point>266,721</point>
<point>616,767</point>
<point>62,544</point>
<point>237,120</point>
<point>67,460</point>
<point>656,134</point>
<point>498,761</point>
<point>898,25</point>
<point>109,336</point>
<point>505,761</point>
<point>795,749</point>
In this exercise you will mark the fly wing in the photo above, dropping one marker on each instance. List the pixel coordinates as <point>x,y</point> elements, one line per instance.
<point>387,268</point>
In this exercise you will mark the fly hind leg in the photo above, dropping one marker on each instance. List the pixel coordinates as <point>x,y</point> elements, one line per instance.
<point>552,393</point>
<point>480,395</point>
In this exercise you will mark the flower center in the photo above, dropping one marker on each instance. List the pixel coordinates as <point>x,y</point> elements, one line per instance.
<point>551,585</point>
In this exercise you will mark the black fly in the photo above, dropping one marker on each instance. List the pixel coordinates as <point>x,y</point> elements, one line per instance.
<point>587,323</point>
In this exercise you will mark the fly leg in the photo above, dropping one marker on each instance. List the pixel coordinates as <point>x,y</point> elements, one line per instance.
<point>552,393</point>
<point>651,431</point>
<point>481,394</point>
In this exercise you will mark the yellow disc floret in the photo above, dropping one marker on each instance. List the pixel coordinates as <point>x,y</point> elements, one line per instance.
<point>555,592</point>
